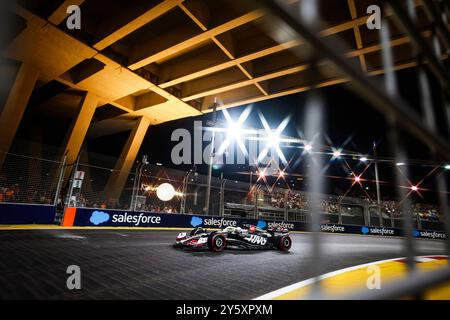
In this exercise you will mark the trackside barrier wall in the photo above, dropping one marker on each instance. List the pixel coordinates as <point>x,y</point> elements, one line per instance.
<point>13,213</point>
<point>115,218</point>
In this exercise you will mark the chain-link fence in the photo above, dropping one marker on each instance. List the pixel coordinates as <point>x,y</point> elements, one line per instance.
<point>94,182</point>
<point>26,178</point>
<point>29,180</point>
<point>97,187</point>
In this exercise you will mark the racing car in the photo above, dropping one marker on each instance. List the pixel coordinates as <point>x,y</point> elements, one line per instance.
<point>235,237</point>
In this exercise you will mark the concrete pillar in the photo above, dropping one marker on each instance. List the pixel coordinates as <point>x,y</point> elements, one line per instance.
<point>79,128</point>
<point>126,160</point>
<point>15,105</point>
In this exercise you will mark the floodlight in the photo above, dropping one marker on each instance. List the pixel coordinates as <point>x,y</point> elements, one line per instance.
<point>165,192</point>
<point>337,153</point>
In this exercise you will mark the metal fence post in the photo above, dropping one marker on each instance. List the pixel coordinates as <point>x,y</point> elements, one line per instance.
<point>255,208</point>
<point>183,196</point>
<point>377,181</point>
<point>419,221</point>
<point>392,220</point>
<point>133,195</point>
<point>74,172</point>
<point>286,205</point>
<point>137,181</point>
<point>367,220</point>
<point>211,160</point>
<point>60,181</point>
<point>222,197</point>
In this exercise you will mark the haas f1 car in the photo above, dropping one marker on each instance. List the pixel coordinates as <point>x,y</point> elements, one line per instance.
<point>235,237</point>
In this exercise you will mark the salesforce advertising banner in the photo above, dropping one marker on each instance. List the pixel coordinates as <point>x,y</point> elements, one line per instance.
<point>115,218</point>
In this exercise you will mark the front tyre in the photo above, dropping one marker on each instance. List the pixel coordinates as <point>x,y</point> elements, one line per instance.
<point>284,243</point>
<point>217,242</point>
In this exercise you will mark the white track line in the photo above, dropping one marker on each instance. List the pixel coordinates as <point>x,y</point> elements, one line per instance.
<point>304,283</point>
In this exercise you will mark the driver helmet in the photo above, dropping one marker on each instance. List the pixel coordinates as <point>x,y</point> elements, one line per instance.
<point>229,229</point>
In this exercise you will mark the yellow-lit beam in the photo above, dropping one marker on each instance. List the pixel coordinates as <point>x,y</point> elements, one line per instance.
<point>125,162</point>
<point>60,14</point>
<point>80,126</point>
<point>137,23</point>
<point>15,106</point>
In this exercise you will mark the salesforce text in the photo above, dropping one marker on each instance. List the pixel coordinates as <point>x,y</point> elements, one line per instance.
<point>136,219</point>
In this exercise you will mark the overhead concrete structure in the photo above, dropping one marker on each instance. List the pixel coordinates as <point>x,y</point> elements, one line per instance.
<point>126,160</point>
<point>15,105</point>
<point>80,126</point>
<point>166,60</point>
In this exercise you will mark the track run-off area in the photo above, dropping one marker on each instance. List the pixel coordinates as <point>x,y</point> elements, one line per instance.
<point>142,264</point>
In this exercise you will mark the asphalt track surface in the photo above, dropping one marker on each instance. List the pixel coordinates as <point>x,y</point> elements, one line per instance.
<point>136,264</point>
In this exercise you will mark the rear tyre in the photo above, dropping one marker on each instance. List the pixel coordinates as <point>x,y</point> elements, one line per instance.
<point>284,243</point>
<point>216,242</point>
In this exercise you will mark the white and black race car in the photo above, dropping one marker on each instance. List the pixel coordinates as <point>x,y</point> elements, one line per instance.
<point>235,237</point>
